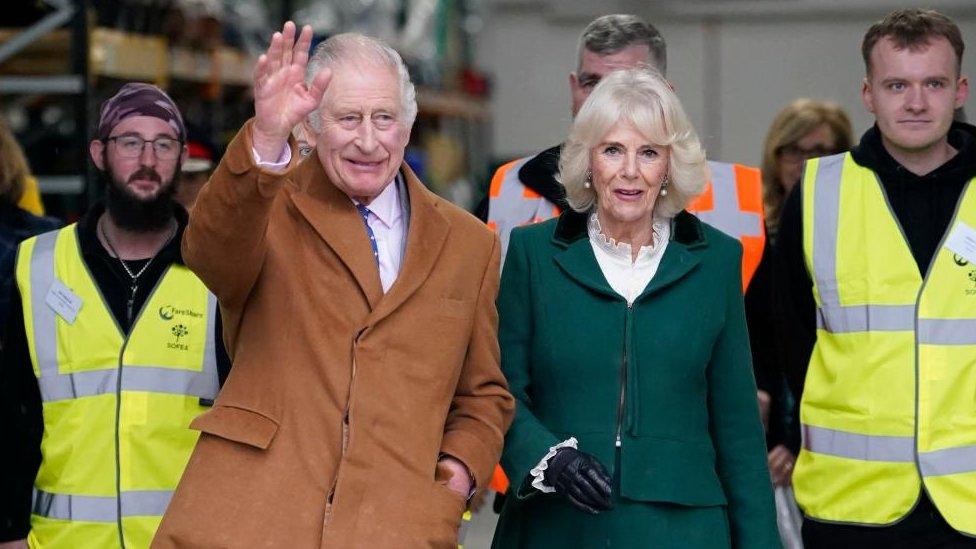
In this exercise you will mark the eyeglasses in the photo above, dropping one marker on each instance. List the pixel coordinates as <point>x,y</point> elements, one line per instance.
<point>796,153</point>
<point>131,146</point>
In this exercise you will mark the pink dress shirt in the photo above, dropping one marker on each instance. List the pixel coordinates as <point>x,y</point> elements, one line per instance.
<point>385,218</point>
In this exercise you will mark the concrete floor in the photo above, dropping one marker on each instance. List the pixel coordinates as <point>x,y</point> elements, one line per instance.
<point>482,529</point>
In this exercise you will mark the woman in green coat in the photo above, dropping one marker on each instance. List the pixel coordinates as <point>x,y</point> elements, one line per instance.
<point>624,341</point>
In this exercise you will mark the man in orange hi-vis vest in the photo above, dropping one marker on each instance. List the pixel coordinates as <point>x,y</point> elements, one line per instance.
<point>525,190</point>
<point>732,203</point>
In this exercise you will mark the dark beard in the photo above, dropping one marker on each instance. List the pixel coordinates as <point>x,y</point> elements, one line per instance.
<point>135,214</point>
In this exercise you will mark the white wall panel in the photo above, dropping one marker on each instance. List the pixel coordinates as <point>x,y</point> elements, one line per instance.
<point>733,71</point>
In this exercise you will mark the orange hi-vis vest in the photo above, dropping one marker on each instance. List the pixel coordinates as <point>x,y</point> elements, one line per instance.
<point>732,203</point>
<point>511,204</point>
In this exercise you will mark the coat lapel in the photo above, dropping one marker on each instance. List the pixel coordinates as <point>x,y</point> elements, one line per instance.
<point>577,259</point>
<point>579,263</point>
<point>426,234</point>
<point>676,263</point>
<point>334,217</point>
<point>679,257</point>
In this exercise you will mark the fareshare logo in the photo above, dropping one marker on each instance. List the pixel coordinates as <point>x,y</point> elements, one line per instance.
<point>168,312</point>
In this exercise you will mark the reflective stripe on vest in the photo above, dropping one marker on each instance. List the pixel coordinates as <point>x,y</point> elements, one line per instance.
<point>139,503</point>
<point>57,386</point>
<point>888,448</point>
<point>117,407</point>
<point>511,204</point>
<point>732,203</point>
<point>888,399</point>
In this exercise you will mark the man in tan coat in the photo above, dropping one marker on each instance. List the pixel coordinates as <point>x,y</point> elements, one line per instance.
<point>366,401</point>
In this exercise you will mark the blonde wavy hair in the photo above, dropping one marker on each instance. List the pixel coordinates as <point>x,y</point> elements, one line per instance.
<point>792,124</point>
<point>643,98</point>
<point>14,170</point>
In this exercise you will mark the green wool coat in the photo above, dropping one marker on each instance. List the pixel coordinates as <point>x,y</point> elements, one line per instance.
<point>691,469</point>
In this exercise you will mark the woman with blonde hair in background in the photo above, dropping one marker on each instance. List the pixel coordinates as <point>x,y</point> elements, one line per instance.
<point>804,129</point>
<point>16,223</point>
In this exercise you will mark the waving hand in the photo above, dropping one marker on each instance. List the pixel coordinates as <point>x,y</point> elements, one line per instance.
<point>281,98</point>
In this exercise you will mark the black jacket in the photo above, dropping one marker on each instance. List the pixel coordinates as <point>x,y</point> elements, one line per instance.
<point>768,350</point>
<point>16,225</point>
<point>21,422</point>
<point>538,174</point>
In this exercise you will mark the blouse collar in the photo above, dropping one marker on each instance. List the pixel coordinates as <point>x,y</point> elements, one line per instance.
<point>622,250</point>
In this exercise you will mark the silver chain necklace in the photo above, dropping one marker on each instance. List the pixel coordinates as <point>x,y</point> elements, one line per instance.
<point>134,286</point>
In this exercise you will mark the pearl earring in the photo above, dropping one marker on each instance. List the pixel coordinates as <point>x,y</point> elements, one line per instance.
<point>664,186</point>
<point>589,180</point>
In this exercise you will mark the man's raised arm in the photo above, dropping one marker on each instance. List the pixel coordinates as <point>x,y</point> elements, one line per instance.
<point>225,241</point>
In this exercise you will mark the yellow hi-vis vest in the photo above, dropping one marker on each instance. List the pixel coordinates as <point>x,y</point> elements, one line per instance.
<point>116,409</point>
<point>889,404</point>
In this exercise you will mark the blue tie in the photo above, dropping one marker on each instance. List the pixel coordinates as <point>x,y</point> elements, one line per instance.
<point>364,211</point>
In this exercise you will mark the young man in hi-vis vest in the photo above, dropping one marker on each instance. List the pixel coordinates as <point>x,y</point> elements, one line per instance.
<point>112,348</point>
<point>880,267</point>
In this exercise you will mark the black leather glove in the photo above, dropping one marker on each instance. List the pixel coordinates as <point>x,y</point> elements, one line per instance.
<point>581,479</point>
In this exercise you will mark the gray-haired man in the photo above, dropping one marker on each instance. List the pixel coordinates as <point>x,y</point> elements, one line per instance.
<point>525,190</point>
<point>367,401</point>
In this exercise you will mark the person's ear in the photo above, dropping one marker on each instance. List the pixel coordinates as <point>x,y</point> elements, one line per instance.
<point>97,151</point>
<point>866,96</point>
<point>962,91</point>
<point>574,84</point>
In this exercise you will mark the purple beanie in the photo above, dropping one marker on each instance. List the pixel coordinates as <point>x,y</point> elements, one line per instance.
<point>138,99</point>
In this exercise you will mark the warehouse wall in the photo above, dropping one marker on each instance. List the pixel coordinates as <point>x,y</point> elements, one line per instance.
<point>733,71</point>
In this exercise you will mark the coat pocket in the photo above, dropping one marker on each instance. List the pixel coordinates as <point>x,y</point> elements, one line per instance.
<point>455,308</point>
<point>444,510</point>
<point>238,425</point>
<point>661,469</point>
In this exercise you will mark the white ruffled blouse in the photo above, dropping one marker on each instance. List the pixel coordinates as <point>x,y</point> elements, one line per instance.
<point>628,277</point>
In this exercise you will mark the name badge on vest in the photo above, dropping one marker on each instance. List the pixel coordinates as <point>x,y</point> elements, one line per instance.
<point>63,301</point>
<point>962,241</point>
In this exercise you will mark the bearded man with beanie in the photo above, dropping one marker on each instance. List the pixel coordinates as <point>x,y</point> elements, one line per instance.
<point>112,348</point>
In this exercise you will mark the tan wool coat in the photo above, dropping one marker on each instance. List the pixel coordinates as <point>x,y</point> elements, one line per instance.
<point>341,400</point>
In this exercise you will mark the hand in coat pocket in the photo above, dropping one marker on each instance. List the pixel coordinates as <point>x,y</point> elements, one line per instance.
<point>453,474</point>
